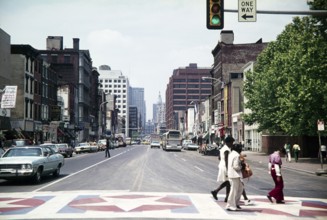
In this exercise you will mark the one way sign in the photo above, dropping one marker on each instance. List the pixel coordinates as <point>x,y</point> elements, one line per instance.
<point>247,10</point>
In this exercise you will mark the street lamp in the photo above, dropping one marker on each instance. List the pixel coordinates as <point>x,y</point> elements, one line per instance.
<point>100,118</point>
<point>214,79</point>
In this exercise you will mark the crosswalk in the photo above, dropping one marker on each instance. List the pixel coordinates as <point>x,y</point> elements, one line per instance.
<point>150,205</point>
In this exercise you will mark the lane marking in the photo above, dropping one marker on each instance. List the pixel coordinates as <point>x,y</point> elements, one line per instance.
<point>198,168</point>
<point>73,174</point>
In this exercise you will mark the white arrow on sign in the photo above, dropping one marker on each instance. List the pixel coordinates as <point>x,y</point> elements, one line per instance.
<point>247,10</point>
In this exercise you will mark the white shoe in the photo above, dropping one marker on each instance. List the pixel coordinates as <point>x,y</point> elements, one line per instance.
<point>248,202</point>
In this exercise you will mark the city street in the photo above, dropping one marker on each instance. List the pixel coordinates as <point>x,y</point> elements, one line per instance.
<point>141,182</point>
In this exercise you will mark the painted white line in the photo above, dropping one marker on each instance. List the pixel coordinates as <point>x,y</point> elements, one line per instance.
<point>198,168</point>
<point>73,174</point>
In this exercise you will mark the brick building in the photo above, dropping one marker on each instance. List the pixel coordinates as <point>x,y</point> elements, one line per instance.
<point>185,89</point>
<point>229,59</point>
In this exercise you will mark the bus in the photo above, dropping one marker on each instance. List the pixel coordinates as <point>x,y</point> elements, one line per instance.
<point>172,140</point>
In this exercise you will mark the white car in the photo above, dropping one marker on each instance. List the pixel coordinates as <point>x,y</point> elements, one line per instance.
<point>155,144</point>
<point>189,145</point>
<point>30,162</point>
<point>82,147</point>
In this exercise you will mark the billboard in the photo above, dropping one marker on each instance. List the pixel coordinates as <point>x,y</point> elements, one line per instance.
<point>9,97</point>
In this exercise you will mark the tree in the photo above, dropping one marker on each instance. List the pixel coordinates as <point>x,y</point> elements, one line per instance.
<point>287,91</point>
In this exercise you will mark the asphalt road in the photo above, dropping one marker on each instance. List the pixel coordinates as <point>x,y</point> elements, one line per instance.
<point>139,168</point>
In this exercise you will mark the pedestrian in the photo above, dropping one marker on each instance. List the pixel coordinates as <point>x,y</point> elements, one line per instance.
<point>239,148</point>
<point>287,147</point>
<point>323,152</point>
<point>222,168</point>
<point>274,166</point>
<point>107,148</point>
<point>235,175</point>
<point>296,149</point>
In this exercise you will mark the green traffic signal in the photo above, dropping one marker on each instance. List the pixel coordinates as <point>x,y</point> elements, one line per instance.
<point>215,20</point>
<point>215,14</point>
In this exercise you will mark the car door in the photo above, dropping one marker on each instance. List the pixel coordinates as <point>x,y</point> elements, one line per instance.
<point>50,163</point>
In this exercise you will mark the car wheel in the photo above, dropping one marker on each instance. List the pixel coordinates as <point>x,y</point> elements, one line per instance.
<point>37,176</point>
<point>56,173</point>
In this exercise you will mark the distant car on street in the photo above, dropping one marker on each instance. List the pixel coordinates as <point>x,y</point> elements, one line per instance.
<point>155,144</point>
<point>30,162</point>
<point>82,147</point>
<point>186,142</point>
<point>52,146</point>
<point>65,150</point>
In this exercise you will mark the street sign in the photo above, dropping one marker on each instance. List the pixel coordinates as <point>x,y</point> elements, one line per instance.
<point>247,10</point>
<point>321,125</point>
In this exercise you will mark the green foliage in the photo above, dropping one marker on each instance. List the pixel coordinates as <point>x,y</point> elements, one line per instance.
<point>287,91</point>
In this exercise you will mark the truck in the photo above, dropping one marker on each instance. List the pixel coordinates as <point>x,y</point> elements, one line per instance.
<point>120,138</point>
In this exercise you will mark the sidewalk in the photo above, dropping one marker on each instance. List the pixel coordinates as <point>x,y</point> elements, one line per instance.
<point>308,165</point>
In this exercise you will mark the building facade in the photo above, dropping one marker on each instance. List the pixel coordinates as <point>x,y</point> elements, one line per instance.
<point>74,66</point>
<point>229,58</point>
<point>114,82</point>
<point>137,99</point>
<point>185,88</point>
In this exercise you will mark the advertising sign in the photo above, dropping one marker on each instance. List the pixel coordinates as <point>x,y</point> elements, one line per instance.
<point>9,97</point>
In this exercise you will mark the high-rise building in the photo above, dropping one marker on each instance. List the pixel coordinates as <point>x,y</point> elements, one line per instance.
<point>137,99</point>
<point>185,89</point>
<point>115,83</point>
<point>159,113</point>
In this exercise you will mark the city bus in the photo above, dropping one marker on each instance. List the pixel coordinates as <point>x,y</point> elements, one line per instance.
<point>172,140</point>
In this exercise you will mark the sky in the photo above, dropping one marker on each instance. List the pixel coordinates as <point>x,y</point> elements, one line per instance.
<point>145,39</point>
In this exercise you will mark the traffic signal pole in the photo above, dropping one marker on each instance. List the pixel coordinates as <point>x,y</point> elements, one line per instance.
<point>312,12</point>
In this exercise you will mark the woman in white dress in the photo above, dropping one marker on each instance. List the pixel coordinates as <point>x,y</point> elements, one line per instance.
<point>222,168</point>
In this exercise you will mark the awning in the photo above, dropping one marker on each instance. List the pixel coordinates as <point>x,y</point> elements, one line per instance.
<point>60,132</point>
<point>70,133</point>
<point>5,123</point>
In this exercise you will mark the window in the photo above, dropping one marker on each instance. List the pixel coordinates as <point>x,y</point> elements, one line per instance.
<point>54,58</point>
<point>26,84</point>
<point>67,58</point>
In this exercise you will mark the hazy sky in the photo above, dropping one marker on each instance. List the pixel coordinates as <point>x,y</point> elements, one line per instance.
<point>145,39</point>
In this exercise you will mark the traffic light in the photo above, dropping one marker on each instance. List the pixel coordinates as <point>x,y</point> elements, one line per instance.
<point>215,14</point>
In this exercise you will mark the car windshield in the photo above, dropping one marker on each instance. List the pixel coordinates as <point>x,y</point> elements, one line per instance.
<point>82,144</point>
<point>23,152</point>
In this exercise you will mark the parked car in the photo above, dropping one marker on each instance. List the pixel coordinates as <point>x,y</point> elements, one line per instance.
<point>52,146</point>
<point>82,147</point>
<point>102,144</point>
<point>191,146</point>
<point>30,162</point>
<point>93,147</point>
<point>155,144</point>
<point>186,142</point>
<point>65,150</point>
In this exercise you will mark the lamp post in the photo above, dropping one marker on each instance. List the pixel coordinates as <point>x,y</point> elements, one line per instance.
<point>214,79</point>
<point>101,119</point>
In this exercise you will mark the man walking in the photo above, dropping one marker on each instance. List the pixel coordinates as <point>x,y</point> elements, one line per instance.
<point>234,175</point>
<point>296,149</point>
<point>107,148</point>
